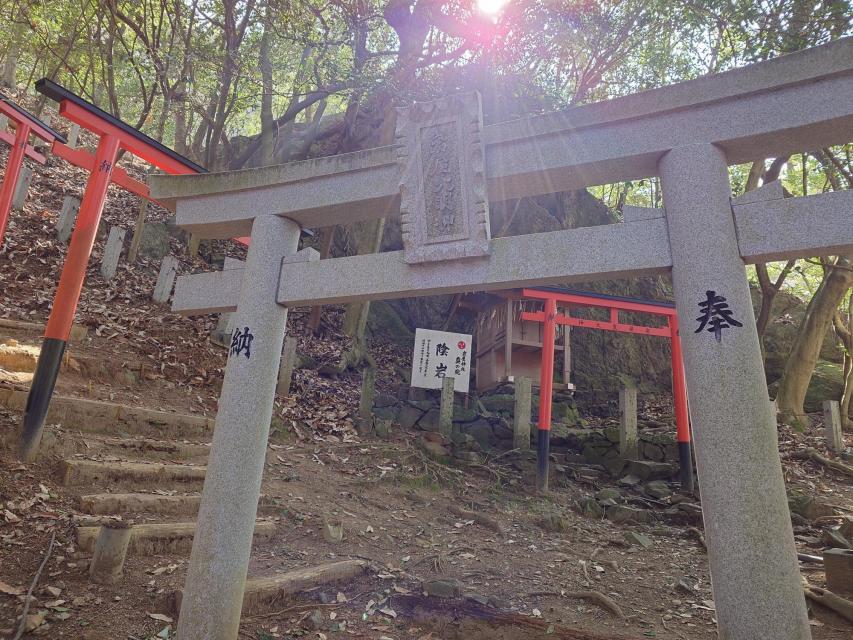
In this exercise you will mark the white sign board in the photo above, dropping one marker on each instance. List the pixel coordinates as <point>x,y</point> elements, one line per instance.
<point>439,355</point>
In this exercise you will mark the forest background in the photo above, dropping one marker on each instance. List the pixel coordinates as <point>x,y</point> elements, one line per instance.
<point>236,84</point>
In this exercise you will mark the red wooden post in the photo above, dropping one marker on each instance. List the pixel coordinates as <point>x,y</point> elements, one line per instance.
<point>114,135</point>
<point>682,417</point>
<point>67,296</point>
<point>546,391</point>
<point>13,171</point>
<point>550,318</point>
<point>25,124</point>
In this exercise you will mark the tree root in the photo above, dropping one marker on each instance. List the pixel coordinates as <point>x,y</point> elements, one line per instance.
<point>699,536</point>
<point>479,518</point>
<point>437,560</point>
<point>841,606</point>
<point>596,597</point>
<point>812,454</point>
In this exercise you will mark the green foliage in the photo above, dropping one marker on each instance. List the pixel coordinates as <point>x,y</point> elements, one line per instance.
<point>191,72</point>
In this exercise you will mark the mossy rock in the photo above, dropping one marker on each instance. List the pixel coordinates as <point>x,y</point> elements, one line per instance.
<point>384,323</point>
<point>658,438</point>
<point>554,523</point>
<point>827,383</point>
<point>304,361</point>
<point>567,413</point>
<point>461,414</point>
<point>499,402</point>
<point>612,434</point>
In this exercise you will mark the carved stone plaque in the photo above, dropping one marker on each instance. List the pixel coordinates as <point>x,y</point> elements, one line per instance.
<point>444,208</point>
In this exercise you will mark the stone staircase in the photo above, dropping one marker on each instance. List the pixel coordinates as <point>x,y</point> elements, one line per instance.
<point>156,484</point>
<point>147,467</point>
<point>153,483</point>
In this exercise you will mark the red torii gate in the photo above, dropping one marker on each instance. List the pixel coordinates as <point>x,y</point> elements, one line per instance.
<point>25,124</point>
<point>550,319</point>
<point>114,135</point>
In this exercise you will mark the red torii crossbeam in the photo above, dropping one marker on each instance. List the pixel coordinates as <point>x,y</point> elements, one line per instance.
<point>550,319</point>
<point>114,135</point>
<point>25,124</point>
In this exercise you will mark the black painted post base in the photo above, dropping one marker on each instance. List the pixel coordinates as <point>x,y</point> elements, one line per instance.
<point>543,450</point>
<point>685,460</point>
<point>38,401</point>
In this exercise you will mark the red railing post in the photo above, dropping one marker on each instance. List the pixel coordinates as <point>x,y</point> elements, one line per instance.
<point>546,391</point>
<point>682,416</point>
<point>13,172</point>
<point>67,296</point>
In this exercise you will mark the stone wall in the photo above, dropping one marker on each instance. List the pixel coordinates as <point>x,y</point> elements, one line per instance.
<point>486,425</point>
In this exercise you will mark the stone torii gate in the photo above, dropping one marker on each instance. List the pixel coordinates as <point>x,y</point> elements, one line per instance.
<point>443,170</point>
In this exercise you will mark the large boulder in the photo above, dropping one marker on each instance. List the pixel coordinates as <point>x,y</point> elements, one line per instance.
<point>384,324</point>
<point>429,421</point>
<point>620,514</point>
<point>481,431</point>
<point>499,403</point>
<point>808,506</point>
<point>649,470</point>
<point>409,416</point>
<point>385,413</point>
<point>827,383</point>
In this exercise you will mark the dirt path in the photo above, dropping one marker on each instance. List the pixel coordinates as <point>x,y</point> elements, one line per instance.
<point>399,511</point>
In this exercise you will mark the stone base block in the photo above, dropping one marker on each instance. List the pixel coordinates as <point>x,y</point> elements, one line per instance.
<point>838,564</point>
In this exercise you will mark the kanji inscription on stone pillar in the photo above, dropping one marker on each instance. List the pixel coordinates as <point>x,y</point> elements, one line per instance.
<point>444,208</point>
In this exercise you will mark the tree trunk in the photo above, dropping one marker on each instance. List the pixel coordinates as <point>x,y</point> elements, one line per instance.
<point>369,240</point>
<point>327,237</point>
<point>769,290</point>
<point>265,65</point>
<point>806,348</point>
<point>847,394</point>
<point>844,331</point>
<point>369,233</point>
<point>10,65</point>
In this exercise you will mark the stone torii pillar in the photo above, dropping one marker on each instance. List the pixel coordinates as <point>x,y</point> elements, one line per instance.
<point>749,536</point>
<point>442,172</point>
<point>213,596</point>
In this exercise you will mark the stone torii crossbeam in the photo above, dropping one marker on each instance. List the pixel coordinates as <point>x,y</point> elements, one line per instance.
<point>442,172</point>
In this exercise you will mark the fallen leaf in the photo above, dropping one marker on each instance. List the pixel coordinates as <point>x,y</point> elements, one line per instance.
<point>10,517</point>
<point>34,621</point>
<point>10,590</point>
<point>159,616</point>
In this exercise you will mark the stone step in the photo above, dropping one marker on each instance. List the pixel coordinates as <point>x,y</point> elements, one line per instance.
<point>148,447</point>
<point>93,472</point>
<point>171,537</point>
<point>264,594</point>
<point>101,504</point>
<point>106,504</point>
<point>94,416</point>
